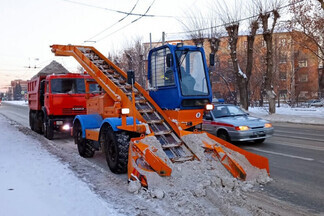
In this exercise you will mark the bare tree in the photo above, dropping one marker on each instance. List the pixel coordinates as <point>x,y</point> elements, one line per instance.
<point>196,26</point>
<point>307,26</point>
<point>267,10</point>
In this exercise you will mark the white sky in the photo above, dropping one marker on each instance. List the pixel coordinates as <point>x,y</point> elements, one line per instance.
<point>28,28</point>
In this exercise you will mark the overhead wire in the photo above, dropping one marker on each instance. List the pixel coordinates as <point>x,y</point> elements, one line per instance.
<point>135,20</point>
<point>240,20</point>
<point>118,11</point>
<point>109,27</point>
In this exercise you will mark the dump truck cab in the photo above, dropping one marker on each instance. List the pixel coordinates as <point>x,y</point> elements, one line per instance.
<point>178,77</point>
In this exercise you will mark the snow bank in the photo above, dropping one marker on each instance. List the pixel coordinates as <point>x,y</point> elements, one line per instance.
<point>34,182</point>
<point>203,186</point>
<point>291,115</point>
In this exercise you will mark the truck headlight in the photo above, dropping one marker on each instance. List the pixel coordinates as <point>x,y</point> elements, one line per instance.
<point>209,107</point>
<point>66,127</point>
<point>125,111</point>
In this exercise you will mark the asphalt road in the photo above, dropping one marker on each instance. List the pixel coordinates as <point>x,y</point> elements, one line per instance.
<point>295,153</point>
<point>296,159</point>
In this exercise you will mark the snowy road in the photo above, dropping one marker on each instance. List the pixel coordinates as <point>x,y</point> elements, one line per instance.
<point>108,191</point>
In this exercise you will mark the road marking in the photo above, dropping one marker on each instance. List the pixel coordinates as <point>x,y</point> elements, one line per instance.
<point>302,138</point>
<point>273,142</point>
<point>281,154</point>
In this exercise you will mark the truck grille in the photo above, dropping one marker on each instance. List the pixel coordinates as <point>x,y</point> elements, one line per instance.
<point>74,111</point>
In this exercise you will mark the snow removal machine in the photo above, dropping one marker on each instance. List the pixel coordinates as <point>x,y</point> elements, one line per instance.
<point>142,132</point>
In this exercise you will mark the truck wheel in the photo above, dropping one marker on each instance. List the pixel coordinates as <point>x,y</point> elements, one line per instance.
<point>84,150</point>
<point>31,120</point>
<point>38,122</point>
<point>116,146</point>
<point>49,130</point>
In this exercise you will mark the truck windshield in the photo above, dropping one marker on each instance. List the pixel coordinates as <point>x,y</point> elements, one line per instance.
<point>70,86</point>
<point>192,73</point>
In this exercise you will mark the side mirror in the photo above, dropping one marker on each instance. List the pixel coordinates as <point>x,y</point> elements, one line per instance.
<point>130,77</point>
<point>211,59</point>
<point>169,60</point>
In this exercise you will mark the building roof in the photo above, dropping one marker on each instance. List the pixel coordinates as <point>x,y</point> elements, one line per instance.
<point>53,68</point>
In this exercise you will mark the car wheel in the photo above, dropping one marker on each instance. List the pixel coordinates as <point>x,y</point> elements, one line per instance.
<point>224,136</point>
<point>259,141</point>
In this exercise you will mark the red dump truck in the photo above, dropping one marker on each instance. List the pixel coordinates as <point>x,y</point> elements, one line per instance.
<point>54,100</point>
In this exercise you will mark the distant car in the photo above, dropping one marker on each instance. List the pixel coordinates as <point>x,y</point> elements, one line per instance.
<point>315,103</point>
<point>232,124</point>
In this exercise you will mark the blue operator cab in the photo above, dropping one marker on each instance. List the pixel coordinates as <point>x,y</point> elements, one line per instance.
<point>178,77</point>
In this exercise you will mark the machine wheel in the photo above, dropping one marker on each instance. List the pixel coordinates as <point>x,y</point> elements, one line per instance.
<point>259,141</point>
<point>223,135</point>
<point>49,130</point>
<point>31,120</point>
<point>116,146</point>
<point>84,150</point>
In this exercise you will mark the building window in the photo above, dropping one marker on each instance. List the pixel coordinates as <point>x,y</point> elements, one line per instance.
<point>230,63</point>
<point>282,42</point>
<point>283,58</point>
<point>303,94</point>
<point>302,63</point>
<point>283,75</point>
<point>283,93</point>
<point>245,43</point>
<point>303,78</point>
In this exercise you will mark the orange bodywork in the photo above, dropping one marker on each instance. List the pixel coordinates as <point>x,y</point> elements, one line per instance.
<point>142,157</point>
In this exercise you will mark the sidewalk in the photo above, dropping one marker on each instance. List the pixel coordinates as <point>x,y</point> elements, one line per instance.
<point>301,115</point>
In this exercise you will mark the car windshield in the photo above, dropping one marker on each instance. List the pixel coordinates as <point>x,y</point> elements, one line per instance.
<point>192,73</point>
<point>226,111</point>
<point>70,86</point>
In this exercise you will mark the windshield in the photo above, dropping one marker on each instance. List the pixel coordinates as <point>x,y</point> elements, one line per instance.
<point>192,73</point>
<point>224,111</point>
<point>70,86</point>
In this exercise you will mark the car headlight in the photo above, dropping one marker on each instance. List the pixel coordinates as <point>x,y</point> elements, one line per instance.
<point>267,125</point>
<point>66,127</point>
<point>242,128</point>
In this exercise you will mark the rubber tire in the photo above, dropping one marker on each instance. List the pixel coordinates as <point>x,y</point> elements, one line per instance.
<point>38,122</point>
<point>116,146</point>
<point>224,136</point>
<point>259,141</point>
<point>84,150</point>
<point>31,120</point>
<point>49,130</point>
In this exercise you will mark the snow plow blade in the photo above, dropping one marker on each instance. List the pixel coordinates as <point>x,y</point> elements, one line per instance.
<point>255,160</point>
<point>231,165</point>
<point>148,161</point>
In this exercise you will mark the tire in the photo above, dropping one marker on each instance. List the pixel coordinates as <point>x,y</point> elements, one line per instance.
<point>223,135</point>
<point>84,149</point>
<point>259,141</point>
<point>31,120</point>
<point>38,122</point>
<point>116,146</point>
<point>49,130</point>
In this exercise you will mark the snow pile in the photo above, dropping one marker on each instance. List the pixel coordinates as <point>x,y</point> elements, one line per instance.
<point>34,182</point>
<point>293,115</point>
<point>203,186</point>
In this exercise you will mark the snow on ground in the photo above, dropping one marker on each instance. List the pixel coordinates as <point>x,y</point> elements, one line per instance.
<point>34,182</point>
<point>22,103</point>
<point>311,115</point>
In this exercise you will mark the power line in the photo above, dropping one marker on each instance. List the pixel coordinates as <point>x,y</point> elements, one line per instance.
<point>240,20</point>
<point>135,20</point>
<point>114,23</point>
<point>118,11</point>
